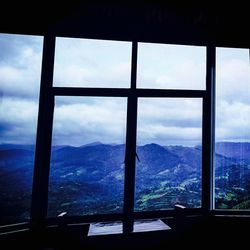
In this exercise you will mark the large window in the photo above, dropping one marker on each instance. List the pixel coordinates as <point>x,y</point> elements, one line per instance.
<point>89,130</point>
<point>125,129</point>
<point>232,143</point>
<point>20,69</point>
<point>94,146</point>
<point>169,128</point>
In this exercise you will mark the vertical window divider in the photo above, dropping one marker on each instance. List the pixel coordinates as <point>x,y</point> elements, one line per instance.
<point>39,200</point>
<point>208,133</point>
<point>130,156</point>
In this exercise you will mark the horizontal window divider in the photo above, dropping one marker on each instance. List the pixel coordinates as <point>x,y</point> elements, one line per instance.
<point>153,214</point>
<point>170,93</point>
<point>85,218</point>
<point>14,227</point>
<point>77,91</point>
<point>231,212</point>
<point>18,231</point>
<point>119,217</point>
<point>165,213</point>
<point>120,92</point>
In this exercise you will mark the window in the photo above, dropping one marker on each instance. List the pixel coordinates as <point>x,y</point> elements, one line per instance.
<point>94,143</point>
<point>89,129</point>
<point>88,152</point>
<point>20,69</point>
<point>168,169</point>
<point>169,127</point>
<point>232,141</point>
<point>169,66</point>
<point>92,63</point>
<point>124,129</point>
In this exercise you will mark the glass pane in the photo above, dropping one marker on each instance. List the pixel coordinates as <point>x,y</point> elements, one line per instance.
<point>232,134</point>
<point>87,164</point>
<point>92,63</point>
<point>165,66</point>
<point>20,69</point>
<point>168,168</point>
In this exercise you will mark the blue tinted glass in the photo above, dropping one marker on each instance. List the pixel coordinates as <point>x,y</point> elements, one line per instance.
<point>20,69</point>
<point>232,133</point>
<point>88,151</point>
<point>168,168</point>
<point>92,63</point>
<point>168,66</point>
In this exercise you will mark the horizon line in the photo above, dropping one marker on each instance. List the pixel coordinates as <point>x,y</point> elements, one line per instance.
<point>95,143</point>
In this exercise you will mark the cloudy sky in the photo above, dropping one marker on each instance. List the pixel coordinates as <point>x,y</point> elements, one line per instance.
<point>233,94</point>
<point>92,63</point>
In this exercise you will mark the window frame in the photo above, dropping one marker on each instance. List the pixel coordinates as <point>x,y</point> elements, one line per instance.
<point>22,225</point>
<point>44,136</point>
<point>39,200</point>
<point>220,211</point>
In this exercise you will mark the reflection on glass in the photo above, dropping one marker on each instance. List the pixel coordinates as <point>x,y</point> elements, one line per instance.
<point>20,69</point>
<point>232,133</point>
<point>168,168</point>
<point>92,63</point>
<point>166,66</point>
<point>87,163</point>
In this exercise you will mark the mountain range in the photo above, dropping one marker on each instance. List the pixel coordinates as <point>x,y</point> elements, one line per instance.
<point>89,179</point>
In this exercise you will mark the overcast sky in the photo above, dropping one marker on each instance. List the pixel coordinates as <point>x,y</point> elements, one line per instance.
<point>92,63</point>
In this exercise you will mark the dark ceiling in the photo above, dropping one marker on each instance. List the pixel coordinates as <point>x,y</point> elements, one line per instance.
<point>156,21</point>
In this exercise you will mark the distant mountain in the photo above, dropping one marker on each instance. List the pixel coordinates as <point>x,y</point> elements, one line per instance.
<point>91,144</point>
<point>155,158</point>
<point>97,161</point>
<point>16,161</point>
<point>89,179</point>
<point>6,146</point>
<point>11,154</point>
<point>188,155</point>
<point>237,150</point>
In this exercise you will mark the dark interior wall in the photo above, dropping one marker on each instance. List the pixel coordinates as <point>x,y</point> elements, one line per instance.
<point>197,233</point>
<point>159,21</point>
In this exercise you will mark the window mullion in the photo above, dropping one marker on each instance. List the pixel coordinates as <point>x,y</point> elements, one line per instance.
<point>44,132</point>
<point>208,132</point>
<point>129,182</point>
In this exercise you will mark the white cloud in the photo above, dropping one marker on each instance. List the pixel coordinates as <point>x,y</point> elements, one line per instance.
<point>170,121</point>
<point>72,76</point>
<point>166,135</point>
<point>91,119</point>
<point>176,111</point>
<point>107,64</point>
<point>92,63</point>
<point>171,66</point>
<point>19,82</point>
<point>20,73</point>
<point>187,75</point>
<point>233,80</point>
<point>233,95</point>
<point>18,120</point>
<point>233,121</point>
<point>80,120</point>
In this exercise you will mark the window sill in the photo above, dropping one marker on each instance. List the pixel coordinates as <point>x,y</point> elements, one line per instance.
<point>116,227</point>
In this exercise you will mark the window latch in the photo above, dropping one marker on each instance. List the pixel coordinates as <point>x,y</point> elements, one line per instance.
<point>137,156</point>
